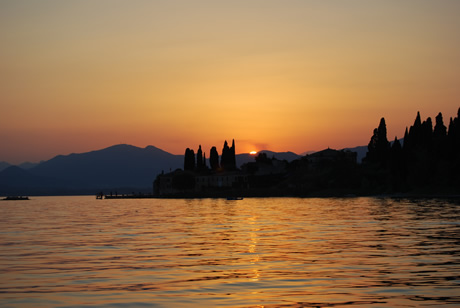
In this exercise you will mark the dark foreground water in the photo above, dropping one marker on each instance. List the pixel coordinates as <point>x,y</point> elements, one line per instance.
<point>364,252</point>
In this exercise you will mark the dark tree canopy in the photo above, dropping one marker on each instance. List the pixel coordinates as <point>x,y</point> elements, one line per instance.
<point>199,159</point>
<point>214,159</point>
<point>415,133</point>
<point>440,131</point>
<point>426,162</point>
<point>378,147</point>
<point>427,135</point>
<point>440,139</point>
<point>233,155</point>
<point>228,159</point>
<point>263,158</point>
<point>429,158</point>
<point>189,160</point>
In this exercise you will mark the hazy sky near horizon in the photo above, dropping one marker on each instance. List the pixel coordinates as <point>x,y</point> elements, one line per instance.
<point>289,75</point>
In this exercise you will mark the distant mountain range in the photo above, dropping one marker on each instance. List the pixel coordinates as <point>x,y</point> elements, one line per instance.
<point>26,165</point>
<point>117,167</point>
<point>122,168</point>
<point>246,158</point>
<point>4,165</point>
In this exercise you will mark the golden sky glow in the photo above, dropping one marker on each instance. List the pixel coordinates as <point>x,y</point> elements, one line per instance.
<point>294,76</point>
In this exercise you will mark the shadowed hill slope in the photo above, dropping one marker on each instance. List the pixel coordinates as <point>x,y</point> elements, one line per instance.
<point>117,166</point>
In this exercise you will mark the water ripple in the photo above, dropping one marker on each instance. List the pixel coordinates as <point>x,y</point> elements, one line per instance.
<point>279,252</point>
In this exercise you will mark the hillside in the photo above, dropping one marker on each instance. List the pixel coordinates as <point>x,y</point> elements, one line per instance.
<point>117,167</point>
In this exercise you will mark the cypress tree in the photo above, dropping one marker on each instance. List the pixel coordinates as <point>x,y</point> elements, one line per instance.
<point>199,158</point>
<point>397,167</point>
<point>440,130</point>
<point>406,140</point>
<point>189,160</point>
<point>440,138</point>
<point>427,135</point>
<point>214,159</point>
<point>225,159</point>
<point>415,132</point>
<point>371,147</point>
<point>378,147</point>
<point>382,144</point>
<point>233,155</point>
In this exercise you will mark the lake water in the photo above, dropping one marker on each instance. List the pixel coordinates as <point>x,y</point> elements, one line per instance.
<point>256,252</point>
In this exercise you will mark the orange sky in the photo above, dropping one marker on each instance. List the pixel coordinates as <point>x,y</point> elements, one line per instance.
<point>294,76</point>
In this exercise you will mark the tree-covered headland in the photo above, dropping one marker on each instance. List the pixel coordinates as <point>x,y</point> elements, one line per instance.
<point>425,162</point>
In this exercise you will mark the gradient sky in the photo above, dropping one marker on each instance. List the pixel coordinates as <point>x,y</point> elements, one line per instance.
<point>82,75</point>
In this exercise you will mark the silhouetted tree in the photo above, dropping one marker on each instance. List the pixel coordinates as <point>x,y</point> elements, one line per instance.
<point>378,147</point>
<point>233,155</point>
<point>440,131</point>
<point>440,138</point>
<point>263,158</point>
<point>214,159</point>
<point>415,131</point>
<point>406,139</point>
<point>412,139</point>
<point>427,135</point>
<point>199,158</point>
<point>396,148</point>
<point>228,159</point>
<point>397,167</point>
<point>189,160</point>
<point>224,158</point>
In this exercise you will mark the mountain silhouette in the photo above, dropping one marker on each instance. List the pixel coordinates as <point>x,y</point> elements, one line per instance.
<point>25,165</point>
<point>28,165</point>
<point>4,165</point>
<point>117,167</point>
<point>247,158</point>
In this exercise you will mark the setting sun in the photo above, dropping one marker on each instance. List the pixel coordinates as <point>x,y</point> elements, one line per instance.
<point>253,152</point>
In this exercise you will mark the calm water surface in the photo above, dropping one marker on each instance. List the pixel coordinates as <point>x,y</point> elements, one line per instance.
<point>365,252</point>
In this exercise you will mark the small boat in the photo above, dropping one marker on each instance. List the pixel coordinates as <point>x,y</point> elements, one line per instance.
<point>16,198</point>
<point>234,198</point>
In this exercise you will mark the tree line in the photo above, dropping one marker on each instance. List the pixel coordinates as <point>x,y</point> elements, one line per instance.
<point>425,161</point>
<point>429,156</point>
<point>198,163</point>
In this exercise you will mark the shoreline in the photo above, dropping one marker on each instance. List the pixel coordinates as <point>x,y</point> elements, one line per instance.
<point>261,194</point>
<point>409,195</point>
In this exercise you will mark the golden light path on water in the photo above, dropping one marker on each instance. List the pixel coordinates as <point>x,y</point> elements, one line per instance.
<point>256,252</point>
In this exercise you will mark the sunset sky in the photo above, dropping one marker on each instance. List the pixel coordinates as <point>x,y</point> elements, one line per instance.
<point>77,76</point>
